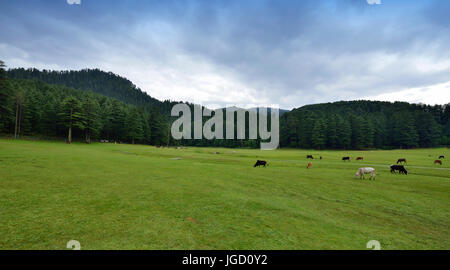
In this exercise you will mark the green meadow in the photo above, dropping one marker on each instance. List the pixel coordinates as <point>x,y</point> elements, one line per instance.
<point>109,196</point>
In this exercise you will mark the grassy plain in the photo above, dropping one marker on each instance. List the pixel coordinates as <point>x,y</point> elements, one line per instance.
<point>110,196</point>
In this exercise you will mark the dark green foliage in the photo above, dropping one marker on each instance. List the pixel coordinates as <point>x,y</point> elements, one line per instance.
<point>58,111</point>
<point>318,134</point>
<point>365,124</point>
<point>134,125</point>
<point>71,115</point>
<point>428,130</point>
<point>107,106</point>
<point>91,111</point>
<point>5,99</point>
<point>95,80</point>
<point>159,128</point>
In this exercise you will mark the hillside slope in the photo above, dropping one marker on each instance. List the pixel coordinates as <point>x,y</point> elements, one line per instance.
<point>98,81</point>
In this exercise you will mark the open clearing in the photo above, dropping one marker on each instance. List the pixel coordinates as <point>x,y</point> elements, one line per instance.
<point>110,196</point>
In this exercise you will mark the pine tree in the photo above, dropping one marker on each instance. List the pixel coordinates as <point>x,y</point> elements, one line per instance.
<point>379,131</point>
<point>158,128</point>
<point>71,115</point>
<point>20,99</point>
<point>367,133</point>
<point>332,136</point>
<point>134,125</point>
<point>357,136</point>
<point>32,113</point>
<point>50,117</point>
<point>145,127</point>
<point>344,132</point>
<point>289,130</point>
<point>5,97</point>
<point>92,122</point>
<point>106,116</point>
<point>119,117</point>
<point>319,134</point>
<point>404,131</point>
<point>428,130</point>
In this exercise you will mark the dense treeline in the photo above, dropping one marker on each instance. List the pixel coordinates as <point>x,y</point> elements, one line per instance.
<point>35,108</point>
<point>111,85</point>
<point>366,124</point>
<point>92,105</point>
<point>105,83</point>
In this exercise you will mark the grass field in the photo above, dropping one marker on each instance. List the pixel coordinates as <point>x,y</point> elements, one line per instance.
<point>110,196</point>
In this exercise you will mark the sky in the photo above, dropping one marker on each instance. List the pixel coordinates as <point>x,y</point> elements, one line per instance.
<point>242,53</point>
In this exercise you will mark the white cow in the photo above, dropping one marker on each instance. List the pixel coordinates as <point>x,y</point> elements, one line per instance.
<point>361,171</point>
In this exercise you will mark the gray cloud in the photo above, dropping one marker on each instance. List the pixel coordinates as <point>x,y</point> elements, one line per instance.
<point>289,53</point>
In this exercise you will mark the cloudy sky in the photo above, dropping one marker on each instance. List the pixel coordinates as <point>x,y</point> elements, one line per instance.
<point>245,53</point>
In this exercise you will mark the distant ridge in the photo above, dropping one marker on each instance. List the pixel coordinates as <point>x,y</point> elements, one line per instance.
<point>98,81</point>
<point>234,108</point>
<point>95,80</point>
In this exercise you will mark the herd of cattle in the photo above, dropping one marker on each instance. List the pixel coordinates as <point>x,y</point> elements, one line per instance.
<point>362,171</point>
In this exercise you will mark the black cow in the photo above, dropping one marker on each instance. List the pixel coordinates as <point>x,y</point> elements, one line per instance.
<point>400,168</point>
<point>400,160</point>
<point>260,163</point>
<point>346,158</point>
<point>309,156</point>
<point>441,157</point>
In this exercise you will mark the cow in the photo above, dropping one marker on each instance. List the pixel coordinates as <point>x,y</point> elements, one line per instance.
<point>400,168</point>
<point>437,161</point>
<point>441,157</point>
<point>359,158</point>
<point>346,158</point>
<point>309,165</point>
<point>309,156</point>
<point>361,171</point>
<point>321,157</point>
<point>260,163</point>
<point>401,160</point>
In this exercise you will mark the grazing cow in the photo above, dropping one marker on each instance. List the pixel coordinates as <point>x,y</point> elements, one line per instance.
<point>401,160</point>
<point>361,171</point>
<point>260,163</point>
<point>359,158</point>
<point>437,161</point>
<point>309,165</point>
<point>400,168</point>
<point>309,156</point>
<point>346,158</point>
<point>441,157</point>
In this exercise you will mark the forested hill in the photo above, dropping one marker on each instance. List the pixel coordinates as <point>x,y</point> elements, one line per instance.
<point>40,103</point>
<point>101,82</point>
<point>366,124</point>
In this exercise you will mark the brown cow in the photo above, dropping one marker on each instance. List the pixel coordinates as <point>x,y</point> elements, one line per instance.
<point>309,165</point>
<point>437,161</point>
<point>359,158</point>
<point>401,160</point>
